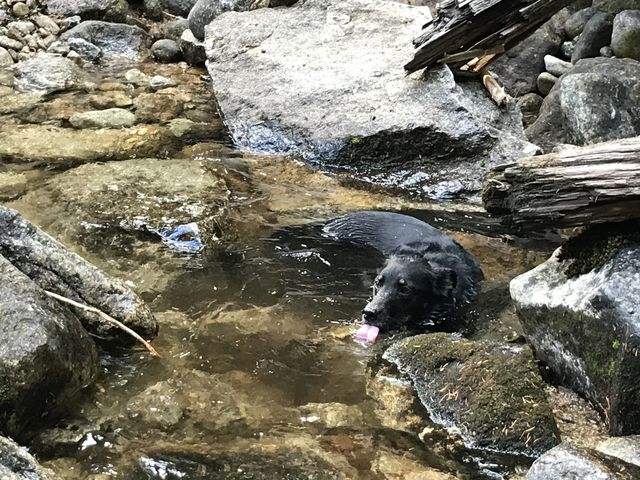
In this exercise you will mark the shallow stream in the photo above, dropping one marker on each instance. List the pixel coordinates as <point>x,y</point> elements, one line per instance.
<point>260,376</point>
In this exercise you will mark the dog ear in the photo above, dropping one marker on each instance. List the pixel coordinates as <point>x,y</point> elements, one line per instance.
<point>447,280</point>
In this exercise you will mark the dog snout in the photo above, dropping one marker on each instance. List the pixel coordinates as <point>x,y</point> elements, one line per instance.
<point>368,315</point>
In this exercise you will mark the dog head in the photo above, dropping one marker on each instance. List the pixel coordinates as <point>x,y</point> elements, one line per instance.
<point>409,291</point>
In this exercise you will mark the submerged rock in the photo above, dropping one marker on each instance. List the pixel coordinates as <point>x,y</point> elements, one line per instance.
<point>568,462</point>
<point>52,267</point>
<point>67,146</point>
<point>332,90</point>
<point>281,463</point>
<point>596,101</point>
<point>113,39</point>
<point>47,73</point>
<point>492,395</point>
<point>107,118</point>
<point>585,325</point>
<point>46,357</point>
<point>17,464</point>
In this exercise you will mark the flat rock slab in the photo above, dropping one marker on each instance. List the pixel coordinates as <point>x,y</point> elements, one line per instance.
<point>54,145</point>
<point>327,84</point>
<point>586,328</point>
<point>52,267</point>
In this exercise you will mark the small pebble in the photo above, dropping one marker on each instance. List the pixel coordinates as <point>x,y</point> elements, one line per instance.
<point>20,10</point>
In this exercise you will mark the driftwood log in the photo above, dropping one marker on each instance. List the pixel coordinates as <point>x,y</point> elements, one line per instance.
<point>576,186</point>
<point>478,30</point>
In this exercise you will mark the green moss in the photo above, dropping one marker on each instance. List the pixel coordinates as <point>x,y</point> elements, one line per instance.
<point>597,245</point>
<point>494,394</point>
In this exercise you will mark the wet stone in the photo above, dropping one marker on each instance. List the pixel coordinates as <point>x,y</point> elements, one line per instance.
<point>596,34</point>
<point>17,464</point>
<point>625,40</point>
<point>626,448</point>
<point>46,357</point>
<point>161,106</point>
<point>66,146</point>
<point>47,73</point>
<point>166,51</point>
<point>192,48</point>
<point>530,105</point>
<point>493,395</point>
<point>555,66</point>
<point>87,50</point>
<point>110,10</point>
<point>136,77</point>
<point>108,118</point>
<point>110,99</point>
<point>568,461</point>
<point>282,463</point>
<point>204,11</point>
<point>20,10</point>
<point>158,82</point>
<point>6,59</point>
<point>579,313</point>
<point>576,22</point>
<point>545,82</point>
<point>114,39</point>
<point>174,29</point>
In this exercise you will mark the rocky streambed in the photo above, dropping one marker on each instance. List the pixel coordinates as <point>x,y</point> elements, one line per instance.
<point>128,163</point>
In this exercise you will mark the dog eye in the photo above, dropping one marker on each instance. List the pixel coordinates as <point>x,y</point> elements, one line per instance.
<point>403,287</point>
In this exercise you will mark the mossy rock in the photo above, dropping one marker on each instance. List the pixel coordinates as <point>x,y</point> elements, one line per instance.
<point>492,394</point>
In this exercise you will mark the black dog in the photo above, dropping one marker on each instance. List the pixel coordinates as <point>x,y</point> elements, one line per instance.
<point>427,278</point>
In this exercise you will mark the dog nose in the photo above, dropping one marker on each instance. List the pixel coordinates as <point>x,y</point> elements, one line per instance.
<point>368,315</point>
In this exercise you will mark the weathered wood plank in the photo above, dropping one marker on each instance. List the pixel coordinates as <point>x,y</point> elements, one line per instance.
<point>479,24</point>
<point>577,186</point>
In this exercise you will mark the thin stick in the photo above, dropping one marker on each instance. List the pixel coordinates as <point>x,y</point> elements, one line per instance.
<point>106,317</point>
<point>498,95</point>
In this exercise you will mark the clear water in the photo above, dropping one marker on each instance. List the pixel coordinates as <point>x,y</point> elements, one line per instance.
<point>259,371</point>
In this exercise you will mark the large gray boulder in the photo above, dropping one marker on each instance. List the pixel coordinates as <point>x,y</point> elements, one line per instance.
<point>576,22</point>
<point>327,84</point>
<point>204,11</point>
<point>52,267</point>
<point>625,39</point>
<point>46,73</point>
<point>579,311</point>
<point>17,464</point>
<point>46,357</point>
<point>596,101</point>
<point>109,10</point>
<point>476,389</point>
<point>568,462</point>
<point>114,39</point>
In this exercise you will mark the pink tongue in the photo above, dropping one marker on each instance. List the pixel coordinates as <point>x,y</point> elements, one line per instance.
<point>367,333</point>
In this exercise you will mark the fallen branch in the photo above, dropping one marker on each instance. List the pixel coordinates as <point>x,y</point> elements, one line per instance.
<point>106,317</point>
<point>576,186</point>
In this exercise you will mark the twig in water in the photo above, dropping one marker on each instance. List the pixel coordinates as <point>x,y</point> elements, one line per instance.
<point>106,317</point>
